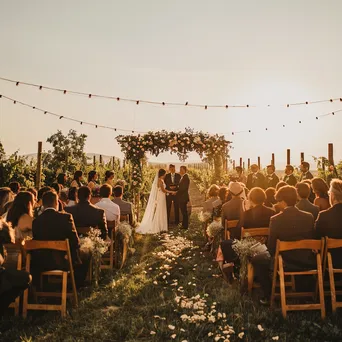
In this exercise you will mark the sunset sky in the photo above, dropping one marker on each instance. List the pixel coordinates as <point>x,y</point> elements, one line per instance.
<point>206,52</point>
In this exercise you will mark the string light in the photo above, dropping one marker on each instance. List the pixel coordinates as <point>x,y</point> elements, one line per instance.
<point>163,103</point>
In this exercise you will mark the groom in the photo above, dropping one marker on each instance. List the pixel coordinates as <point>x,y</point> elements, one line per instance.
<point>183,195</point>
<point>172,180</point>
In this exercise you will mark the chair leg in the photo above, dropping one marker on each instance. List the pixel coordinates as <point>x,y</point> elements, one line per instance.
<point>74,290</point>
<point>274,283</point>
<point>250,277</point>
<point>16,306</point>
<point>25,302</point>
<point>282,287</point>
<point>332,284</point>
<point>64,293</point>
<point>320,286</point>
<point>111,255</point>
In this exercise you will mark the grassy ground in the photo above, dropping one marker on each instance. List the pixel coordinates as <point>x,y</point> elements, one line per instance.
<point>139,304</point>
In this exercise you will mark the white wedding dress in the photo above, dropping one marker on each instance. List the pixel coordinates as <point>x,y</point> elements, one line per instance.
<point>155,217</point>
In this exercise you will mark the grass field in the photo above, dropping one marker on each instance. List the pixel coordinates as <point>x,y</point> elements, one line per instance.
<point>170,291</point>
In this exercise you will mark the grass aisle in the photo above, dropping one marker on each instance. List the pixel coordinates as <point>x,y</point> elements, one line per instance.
<point>170,291</point>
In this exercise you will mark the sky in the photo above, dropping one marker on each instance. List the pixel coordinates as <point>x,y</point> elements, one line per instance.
<point>204,52</point>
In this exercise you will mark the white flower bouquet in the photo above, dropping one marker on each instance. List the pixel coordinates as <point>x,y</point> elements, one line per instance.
<point>214,229</point>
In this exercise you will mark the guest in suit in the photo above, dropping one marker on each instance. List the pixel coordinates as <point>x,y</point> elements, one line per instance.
<point>259,215</point>
<point>306,174</point>
<point>213,200</point>
<point>183,195</point>
<point>329,222</point>
<point>320,188</point>
<point>241,175</point>
<point>271,179</point>
<point>52,225</point>
<point>303,191</point>
<point>270,197</point>
<point>289,177</point>
<point>172,180</point>
<point>87,215</point>
<point>291,224</point>
<point>126,208</point>
<point>256,178</point>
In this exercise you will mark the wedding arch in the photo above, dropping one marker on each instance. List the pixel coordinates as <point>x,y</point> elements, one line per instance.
<point>211,148</point>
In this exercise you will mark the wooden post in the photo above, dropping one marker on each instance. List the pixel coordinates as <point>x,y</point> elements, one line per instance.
<point>249,163</point>
<point>288,157</point>
<point>331,153</point>
<point>94,161</point>
<point>301,157</point>
<point>243,165</point>
<point>233,164</point>
<point>273,160</point>
<point>101,159</point>
<point>259,163</point>
<point>323,164</point>
<point>39,165</point>
<point>240,162</point>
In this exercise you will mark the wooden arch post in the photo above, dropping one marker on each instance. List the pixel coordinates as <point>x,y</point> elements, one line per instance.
<point>288,157</point>
<point>39,166</point>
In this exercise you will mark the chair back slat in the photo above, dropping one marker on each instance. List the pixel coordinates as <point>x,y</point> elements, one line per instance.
<point>124,218</point>
<point>31,245</point>
<point>263,231</point>
<point>231,223</point>
<point>83,230</point>
<point>300,244</point>
<point>111,224</point>
<point>333,243</point>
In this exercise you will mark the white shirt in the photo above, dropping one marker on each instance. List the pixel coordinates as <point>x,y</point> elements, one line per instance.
<point>112,210</point>
<point>173,178</point>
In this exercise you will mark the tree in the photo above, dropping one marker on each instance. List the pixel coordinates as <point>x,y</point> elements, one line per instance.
<point>68,152</point>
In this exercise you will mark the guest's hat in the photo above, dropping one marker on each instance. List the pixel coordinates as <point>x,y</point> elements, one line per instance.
<point>235,188</point>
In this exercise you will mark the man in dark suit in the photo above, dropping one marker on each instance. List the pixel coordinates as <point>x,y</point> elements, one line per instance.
<point>289,225</point>
<point>329,222</point>
<point>256,178</point>
<point>271,179</point>
<point>126,208</point>
<point>183,195</point>
<point>289,177</point>
<point>87,215</point>
<point>303,191</point>
<point>172,180</point>
<point>52,225</point>
<point>306,174</point>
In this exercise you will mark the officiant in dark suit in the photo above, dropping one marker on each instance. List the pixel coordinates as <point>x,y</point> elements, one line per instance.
<point>256,178</point>
<point>172,180</point>
<point>271,179</point>
<point>183,196</point>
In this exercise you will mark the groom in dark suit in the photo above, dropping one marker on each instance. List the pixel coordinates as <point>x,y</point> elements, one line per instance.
<point>172,180</point>
<point>183,196</point>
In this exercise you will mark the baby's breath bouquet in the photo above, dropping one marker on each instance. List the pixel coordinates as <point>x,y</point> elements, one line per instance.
<point>214,228</point>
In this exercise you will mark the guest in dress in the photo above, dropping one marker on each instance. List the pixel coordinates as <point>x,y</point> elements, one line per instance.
<point>72,197</point>
<point>304,168</point>
<point>63,198</point>
<point>289,177</point>
<point>109,177</point>
<point>6,196</point>
<point>270,197</point>
<point>34,192</point>
<point>112,210</point>
<point>320,188</point>
<point>303,191</point>
<point>20,215</point>
<point>213,200</point>
<point>329,222</point>
<point>256,178</point>
<point>126,208</point>
<point>241,175</point>
<point>271,179</point>
<point>61,181</point>
<point>223,194</point>
<point>92,179</point>
<point>15,187</point>
<point>78,178</point>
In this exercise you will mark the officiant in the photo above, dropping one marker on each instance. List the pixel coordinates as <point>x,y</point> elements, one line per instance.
<point>172,180</point>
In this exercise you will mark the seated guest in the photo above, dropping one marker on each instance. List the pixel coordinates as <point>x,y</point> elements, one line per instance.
<point>320,188</point>
<point>6,196</point>
<point>61,181</point>
<point>72,197</point>
<point>270,197</point>
<point>78,178</point>
<point>271,179</point>
<point>87,215</point>
<point>13,282</point>
<point>20,215</point>
<point>329,222</point>
<point>241,175</point>
<point>306,174</point>
<point>109,177</point>
<point>39,205</point>
<point>280,185</point>
<point>312,195</point>
<point>56,226</point>
<point>15,187</point>
<point>259,215</point>
<point>92,179</point>
<point>63,197</point>
<point>289,177</point>
<point>256,178</point>
<point>213,200</point>
<point>57,188</point>
<point>126,208</point>
<point>223,194</point>
<point>291,224</point>
<point>303,191</point>
<point>112,210</point>
<point>276,206</point>
<point>34,192</point>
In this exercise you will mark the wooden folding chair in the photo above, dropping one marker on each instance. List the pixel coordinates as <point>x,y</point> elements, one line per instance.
<point>107,261</point>
<point>328,263</point>
<point>228,225</point>
<point>253,232</point>
<point>83,230</point>
<point>63,246</point>
<point>124,218</point>
<point>278,270</point>
<point>14,260</point>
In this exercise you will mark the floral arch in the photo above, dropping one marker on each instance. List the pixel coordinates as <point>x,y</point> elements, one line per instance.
<point>211,148</point>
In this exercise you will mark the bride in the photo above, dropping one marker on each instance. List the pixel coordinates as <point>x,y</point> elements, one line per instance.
<point>155,217</point>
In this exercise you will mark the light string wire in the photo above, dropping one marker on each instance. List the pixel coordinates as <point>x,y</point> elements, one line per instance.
<point>162,103</point>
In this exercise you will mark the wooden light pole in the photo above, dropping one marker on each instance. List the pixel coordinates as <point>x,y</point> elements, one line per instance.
<point>302,157</point>
<point>331,153</point>
<point>240,162</point>
<point>39,165</point>
<point>259,163</point>
<point>288,157</point>
<point>249,163</point>
<point>273,160</point>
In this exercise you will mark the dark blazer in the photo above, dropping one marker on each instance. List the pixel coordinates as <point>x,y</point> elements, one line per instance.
<point>271,181</point>
<point>307,206</point>
<point>253,182</point>
<point>126,208</point>
<point>291,225</point>
<point>257,217</point>
<point>329,223</point>
<point>87,215</point>
<point>54,226</point>
<point>290,180</point>
<point>183,189</point>
<point>168,182</point>
<point>307,175</point>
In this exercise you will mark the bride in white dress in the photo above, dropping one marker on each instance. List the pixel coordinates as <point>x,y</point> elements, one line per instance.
<point>155,217</point>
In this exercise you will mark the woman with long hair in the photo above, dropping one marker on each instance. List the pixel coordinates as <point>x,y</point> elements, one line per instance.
<point>61,181</point>
<point>109,177</point>
<point>78,177</point>
<point>20,214</point>
<point>6,197</point>
<point>320,188</point>
<point>92,179</point>
<point>72,197</point>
